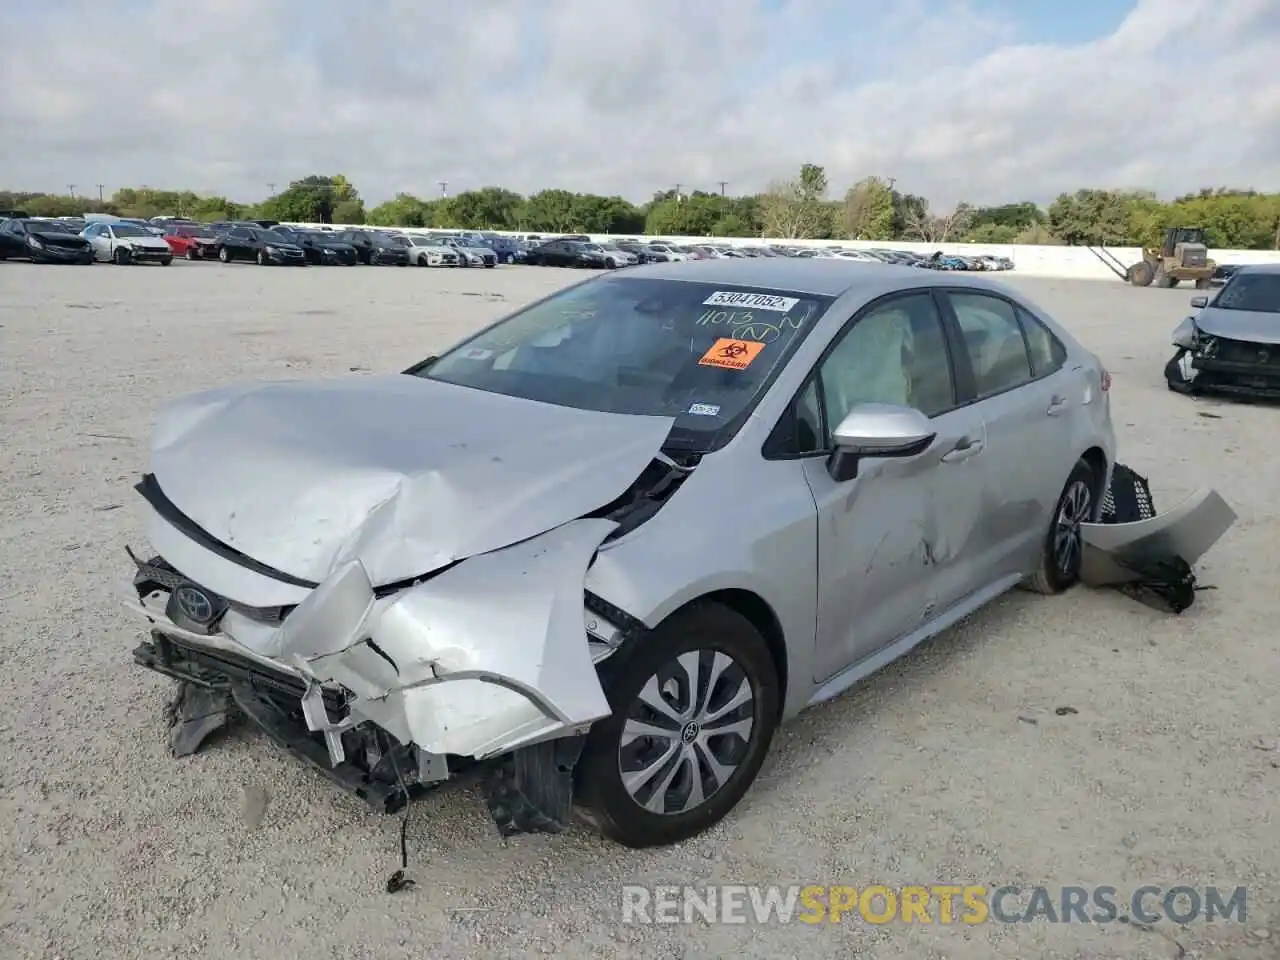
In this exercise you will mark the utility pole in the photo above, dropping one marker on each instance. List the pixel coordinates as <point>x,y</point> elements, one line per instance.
<point>71,189</point>
<point>723,184</point>
<point>892,181</point>
<point>444,187</point>
<point>678,193</point>
<point>100,186</point>
<point>272,188</point>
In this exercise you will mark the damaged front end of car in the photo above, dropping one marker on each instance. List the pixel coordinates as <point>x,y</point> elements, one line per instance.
<point>1208,363</point>
<point>484,667</point>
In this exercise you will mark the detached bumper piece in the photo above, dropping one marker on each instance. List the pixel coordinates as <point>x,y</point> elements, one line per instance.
<point>1147,555</point>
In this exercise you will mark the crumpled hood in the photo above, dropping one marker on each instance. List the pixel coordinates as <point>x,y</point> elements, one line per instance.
<point>404,474</point>
<point>1247,325</point>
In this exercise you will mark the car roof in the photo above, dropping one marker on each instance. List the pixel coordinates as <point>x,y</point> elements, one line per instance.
<point>821,277</point>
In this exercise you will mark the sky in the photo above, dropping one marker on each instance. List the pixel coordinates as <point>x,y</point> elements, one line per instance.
<point>986,101</point>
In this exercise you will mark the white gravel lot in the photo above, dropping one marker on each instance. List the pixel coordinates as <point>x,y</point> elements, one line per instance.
<point>931,772</point>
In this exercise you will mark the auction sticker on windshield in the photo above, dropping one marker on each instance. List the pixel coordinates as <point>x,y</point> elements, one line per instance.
<point>731,354</point>
<point>756,301</point>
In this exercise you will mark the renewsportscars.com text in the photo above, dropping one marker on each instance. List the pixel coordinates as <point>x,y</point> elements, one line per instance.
<point>937,903</point>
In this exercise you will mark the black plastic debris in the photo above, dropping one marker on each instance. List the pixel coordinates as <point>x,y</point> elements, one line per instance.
<point>1128,499</point>
<point>194,714</point>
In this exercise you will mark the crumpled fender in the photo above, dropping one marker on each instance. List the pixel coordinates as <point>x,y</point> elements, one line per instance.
<point>1112,551</point>
<point>488,655</point>
<point>1184,333</point>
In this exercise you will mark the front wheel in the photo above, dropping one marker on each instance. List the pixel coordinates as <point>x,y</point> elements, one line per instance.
<point>224,255</point>
<point>695,704</point>
<point>166,261</point>
<point>1060,558</point>
<point>120,257</point>
<point>191,253</point>
<point>262,258</point>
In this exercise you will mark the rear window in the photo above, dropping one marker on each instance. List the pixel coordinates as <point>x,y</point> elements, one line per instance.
<point>701,353</point>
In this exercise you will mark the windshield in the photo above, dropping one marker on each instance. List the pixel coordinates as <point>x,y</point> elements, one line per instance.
<point>693,351</point>
<point>129,230</point>
<point>1258,292</point>
<point>46,226</point>
<point>284,236</point>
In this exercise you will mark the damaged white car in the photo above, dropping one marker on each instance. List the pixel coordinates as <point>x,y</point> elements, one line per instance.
<point>597,552</point>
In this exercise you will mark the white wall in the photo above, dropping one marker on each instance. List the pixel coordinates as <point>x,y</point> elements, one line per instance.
<point>1065,262</point>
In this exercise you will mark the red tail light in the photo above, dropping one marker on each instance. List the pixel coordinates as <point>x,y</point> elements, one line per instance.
<point>1106,381</point>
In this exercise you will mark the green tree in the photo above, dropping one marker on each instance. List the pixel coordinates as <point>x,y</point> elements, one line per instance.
<point>489,208</point>
<point>551,211</point>
<point>797,208</point>
<point>867,212</point>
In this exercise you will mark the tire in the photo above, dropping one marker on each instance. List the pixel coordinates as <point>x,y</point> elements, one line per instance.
<point>120,257</point>
<point>713,634</point>
<point>262,258</point>
<point>1162,279</point>
<point>191,253</point>
<point>166,261</point>
<point>422,261</point>
<point>1141,274</point>
<point>612,263</point>
<point>224,255</point>
<point>1059,565</point>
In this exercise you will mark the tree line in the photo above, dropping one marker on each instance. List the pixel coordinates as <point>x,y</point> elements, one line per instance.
<point>801,207</point>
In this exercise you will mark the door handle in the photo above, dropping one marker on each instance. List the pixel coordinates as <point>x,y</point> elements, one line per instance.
<point>965,448</point>
<point>1056,405</point>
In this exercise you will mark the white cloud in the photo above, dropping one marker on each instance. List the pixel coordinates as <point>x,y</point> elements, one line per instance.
<point>628,98</point>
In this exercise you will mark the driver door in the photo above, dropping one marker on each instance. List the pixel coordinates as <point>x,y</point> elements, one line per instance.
<point>893,541</point>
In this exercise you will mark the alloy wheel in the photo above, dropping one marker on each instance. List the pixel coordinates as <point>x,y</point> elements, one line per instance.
<point>687,732</point>
<point>1068,540</point>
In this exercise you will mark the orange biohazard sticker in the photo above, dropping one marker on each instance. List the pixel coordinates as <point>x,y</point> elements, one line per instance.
<point>731,354</point>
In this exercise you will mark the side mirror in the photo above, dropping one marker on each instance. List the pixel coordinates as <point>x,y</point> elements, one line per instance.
<point>877,430</point>
<point>1200,302</point>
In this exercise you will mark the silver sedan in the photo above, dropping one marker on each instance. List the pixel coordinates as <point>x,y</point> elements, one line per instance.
<point>598,551</point>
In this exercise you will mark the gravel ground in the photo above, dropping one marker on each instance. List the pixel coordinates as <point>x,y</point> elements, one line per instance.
<point>949,767</point>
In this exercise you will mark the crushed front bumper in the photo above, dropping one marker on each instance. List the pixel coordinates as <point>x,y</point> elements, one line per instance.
<point>379,691</point>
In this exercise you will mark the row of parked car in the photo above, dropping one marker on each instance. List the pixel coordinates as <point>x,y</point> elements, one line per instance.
<point>266,242</point>
<point>581,251</point>
<point>121,240</point>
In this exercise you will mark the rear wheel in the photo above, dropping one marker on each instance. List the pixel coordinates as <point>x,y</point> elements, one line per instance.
<point>1060,559</point>
<point>1162,279</point>
<point>1202,284</point>
<point>166,261</point>
<point>695,705</point>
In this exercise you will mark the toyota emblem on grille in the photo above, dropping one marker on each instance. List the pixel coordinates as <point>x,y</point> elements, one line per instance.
<point>194,603</point>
